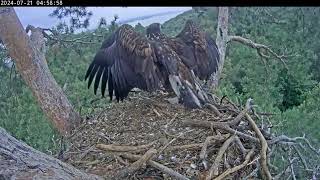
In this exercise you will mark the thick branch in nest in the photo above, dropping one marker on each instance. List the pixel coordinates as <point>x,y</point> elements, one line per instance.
<point>203,153</point>
<point>218,125</point>
<point>214,170</point>
<point>236,168</point>
<point>264,148</point>
<point>158,166</point>
<point>214,109</point>
<point>238,118</point>
<point>137,165</point>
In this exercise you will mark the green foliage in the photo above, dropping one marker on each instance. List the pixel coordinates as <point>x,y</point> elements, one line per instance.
<point>304,119</point>
<point>274,89</point>
<point>21,116</point>
<point>78,17</point>
<point>290,89</point>
<point>20,113</point>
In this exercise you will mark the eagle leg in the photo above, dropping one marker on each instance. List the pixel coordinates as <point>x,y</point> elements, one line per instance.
<point>175,83</point>
<point>185,94</point>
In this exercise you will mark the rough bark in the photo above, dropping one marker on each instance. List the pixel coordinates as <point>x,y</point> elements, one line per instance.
<point>29,57</point>
<point>20,161</point>
<point>221,40</point>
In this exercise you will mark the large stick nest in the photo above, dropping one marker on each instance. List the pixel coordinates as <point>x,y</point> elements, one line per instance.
<point>148,138</point>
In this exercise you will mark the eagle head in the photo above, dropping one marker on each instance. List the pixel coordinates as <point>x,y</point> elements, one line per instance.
<point>154,28</point>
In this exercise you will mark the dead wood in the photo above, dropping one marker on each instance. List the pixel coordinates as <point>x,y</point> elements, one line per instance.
<point>217,125</point>
<point>157,166</point>
<point>236,168</point>
<point>20,161</point>
<point>214,109</point>
<point>264,148</point>
<point>203,153</point>
<point>137,165</point>
<point>214,170</point>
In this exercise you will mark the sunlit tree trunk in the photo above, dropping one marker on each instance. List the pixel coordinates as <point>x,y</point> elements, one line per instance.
<point>222,39</point>
<point>28,54</point>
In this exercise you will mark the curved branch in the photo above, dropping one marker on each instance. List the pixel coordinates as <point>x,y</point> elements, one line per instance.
<point>264,148</point>
<point>258,47</point>
<point>236,168</point>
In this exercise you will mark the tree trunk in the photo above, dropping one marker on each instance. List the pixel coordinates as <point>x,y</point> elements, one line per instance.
<point>20,161</point>
<point>29,57</point>
<point>222,39</point>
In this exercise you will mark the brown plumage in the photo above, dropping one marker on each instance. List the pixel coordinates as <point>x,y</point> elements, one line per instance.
<point>127,59</point>
<point>197,50</point>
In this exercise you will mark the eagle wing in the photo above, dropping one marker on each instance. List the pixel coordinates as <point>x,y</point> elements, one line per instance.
<point>127,60</point>
<point>197,50</point>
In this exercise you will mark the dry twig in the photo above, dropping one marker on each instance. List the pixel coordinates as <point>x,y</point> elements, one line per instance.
<point>214,109</point>
<point>123,148</point>
<point>203,153</point>
<point>136,165</point>
<point>236,168</point>
<point>185,147</point>
<point>214,170</point>
<point>264,148</point>
<point>218,125</point>
<point>238,118</point>
<point>174,139</point>
<point>157,166</point>
<point>240,145</point>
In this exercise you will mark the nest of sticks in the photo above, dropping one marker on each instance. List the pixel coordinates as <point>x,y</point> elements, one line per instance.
<point>146,137</point>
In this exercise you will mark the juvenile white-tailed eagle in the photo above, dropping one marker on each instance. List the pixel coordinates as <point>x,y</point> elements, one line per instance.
<point>127,60</point>
<point>197,50</point>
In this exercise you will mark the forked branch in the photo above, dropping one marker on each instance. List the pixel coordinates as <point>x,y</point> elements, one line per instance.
<point>261,48</point>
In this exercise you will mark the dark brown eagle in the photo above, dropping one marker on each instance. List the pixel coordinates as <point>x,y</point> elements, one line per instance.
<point>197,50</point>
<point>127,60</point>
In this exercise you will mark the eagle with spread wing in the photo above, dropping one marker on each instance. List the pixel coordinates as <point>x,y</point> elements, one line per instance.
<point>197,50</point>
<point>127,60</point>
